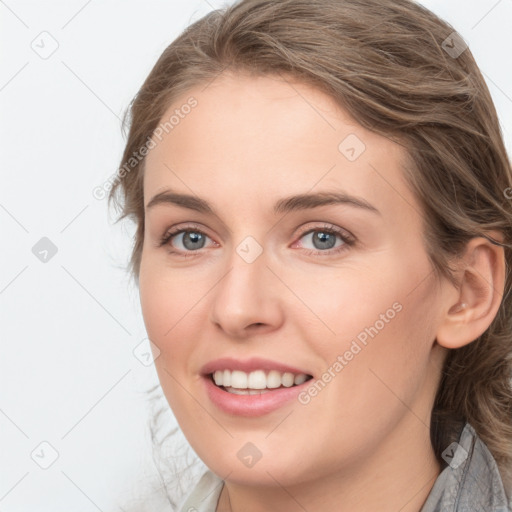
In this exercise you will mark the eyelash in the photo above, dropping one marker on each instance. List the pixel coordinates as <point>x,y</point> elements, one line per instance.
<point>348,240</point>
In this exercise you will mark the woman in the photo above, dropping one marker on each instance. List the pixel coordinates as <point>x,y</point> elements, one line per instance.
<point>323,252</point>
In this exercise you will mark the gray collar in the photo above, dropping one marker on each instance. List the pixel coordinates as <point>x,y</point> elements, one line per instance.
<point>471,482</point>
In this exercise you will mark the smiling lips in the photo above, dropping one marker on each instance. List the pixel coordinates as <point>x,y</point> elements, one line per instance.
<point>256,382</point>
<point>252,387</point>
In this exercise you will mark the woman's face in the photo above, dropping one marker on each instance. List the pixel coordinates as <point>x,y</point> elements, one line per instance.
<point>266,289</point>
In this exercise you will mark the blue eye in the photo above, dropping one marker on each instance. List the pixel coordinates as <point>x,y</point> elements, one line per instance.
<point>190,239</point>
<point>325,241</point>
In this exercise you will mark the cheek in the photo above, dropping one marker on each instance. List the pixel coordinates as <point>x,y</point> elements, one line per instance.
<point>163,307</point>
<point>374,331</point>
<point>391,373</point>
<point>173,308</point>
<point>166,297</point>
<point>158,306</point>
<point>167,314</point>
<point>356,301</point>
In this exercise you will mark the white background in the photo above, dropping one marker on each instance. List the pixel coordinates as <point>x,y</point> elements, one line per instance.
<point>68,327</point>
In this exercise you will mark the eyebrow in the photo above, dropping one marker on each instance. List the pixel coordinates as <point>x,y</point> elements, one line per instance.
<point>284,205</point>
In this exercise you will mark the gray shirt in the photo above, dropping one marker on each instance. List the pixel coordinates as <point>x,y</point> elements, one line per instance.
<point>471,482</point>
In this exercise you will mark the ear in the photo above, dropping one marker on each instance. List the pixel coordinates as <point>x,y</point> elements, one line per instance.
<point>470,310</point>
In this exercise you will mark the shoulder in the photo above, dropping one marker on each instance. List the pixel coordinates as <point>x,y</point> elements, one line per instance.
<point>470,482</point>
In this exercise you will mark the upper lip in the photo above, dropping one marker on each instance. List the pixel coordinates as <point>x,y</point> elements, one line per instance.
<point>248,365</point>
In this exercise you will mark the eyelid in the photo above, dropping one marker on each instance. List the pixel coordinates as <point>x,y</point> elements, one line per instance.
<point>180,228</point>
<point>311,226</point>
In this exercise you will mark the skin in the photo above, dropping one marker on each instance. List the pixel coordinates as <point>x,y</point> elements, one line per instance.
<point>363,443</point>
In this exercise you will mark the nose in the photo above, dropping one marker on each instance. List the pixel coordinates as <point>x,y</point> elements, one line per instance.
<point>246,299</point>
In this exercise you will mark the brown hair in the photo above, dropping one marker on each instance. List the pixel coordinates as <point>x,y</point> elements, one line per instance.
<point>385,63</point>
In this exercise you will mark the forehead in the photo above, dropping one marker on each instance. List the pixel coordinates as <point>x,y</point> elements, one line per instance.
<point>263,136</point>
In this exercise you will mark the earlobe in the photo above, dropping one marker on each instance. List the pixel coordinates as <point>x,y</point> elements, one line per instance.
<point>471,309</point>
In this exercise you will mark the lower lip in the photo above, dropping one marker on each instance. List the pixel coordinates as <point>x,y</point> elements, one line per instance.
<point>251,405</point>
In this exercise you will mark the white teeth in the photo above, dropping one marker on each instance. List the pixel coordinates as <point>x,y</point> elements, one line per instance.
<point>273,379</point>
<point>287,379</point>
<point>218,377</point>
<point>236,391</point>
<point>299,379</point>
<point>256,380</point>
<point>239,379</point>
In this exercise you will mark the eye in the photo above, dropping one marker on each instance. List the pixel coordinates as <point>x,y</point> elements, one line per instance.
<point>326,240</point>
<point>184,240</point>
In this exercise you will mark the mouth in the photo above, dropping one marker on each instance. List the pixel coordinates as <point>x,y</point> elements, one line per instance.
<point>252,387</point>
<point>256,382</point>
<point>255,393</point>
